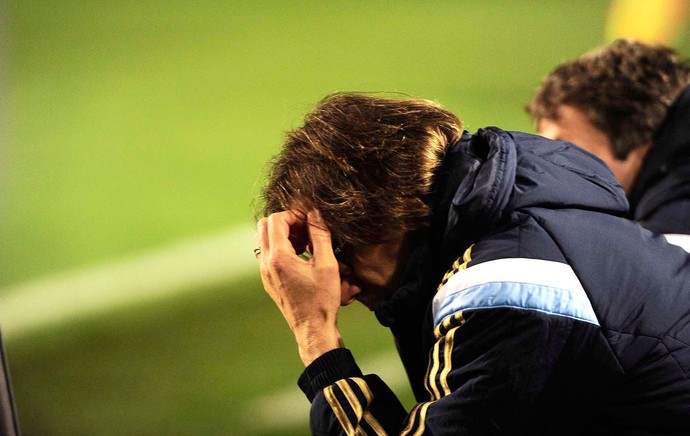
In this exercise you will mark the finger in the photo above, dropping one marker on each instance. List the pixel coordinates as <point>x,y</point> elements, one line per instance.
<point>261,234</point>
<point>262,238</point>
<point>263,243</point>
<point>278,230</point>
<point>320,237</point>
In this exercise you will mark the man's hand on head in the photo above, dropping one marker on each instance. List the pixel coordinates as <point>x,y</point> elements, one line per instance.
<point>307,291</point>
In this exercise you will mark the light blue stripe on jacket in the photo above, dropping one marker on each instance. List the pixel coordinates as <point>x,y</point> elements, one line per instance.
<point>528,284</point>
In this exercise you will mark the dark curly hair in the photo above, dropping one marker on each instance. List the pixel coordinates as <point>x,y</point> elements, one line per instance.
<point>624,89</point>
<point>364,162</point>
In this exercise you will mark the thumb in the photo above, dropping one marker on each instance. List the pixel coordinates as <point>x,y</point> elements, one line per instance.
<point>320,237</point>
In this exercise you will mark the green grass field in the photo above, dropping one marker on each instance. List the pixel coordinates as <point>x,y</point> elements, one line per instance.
<point>133,125</point>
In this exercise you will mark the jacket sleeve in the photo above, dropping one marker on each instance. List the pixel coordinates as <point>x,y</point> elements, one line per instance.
<point>489,372</point>
<point>345,402</point>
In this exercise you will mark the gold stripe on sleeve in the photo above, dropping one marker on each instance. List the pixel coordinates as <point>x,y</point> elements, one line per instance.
<point>444,333</point>
<point>420,409</point>
<point>447,354</point>
<point>338,411</point>
<point>422,420</point>
<point>354,403</point>
<point>443,327</point>
<point>368,417</point>
<point>435,363</point>
<point>457,266</point>
<point>448,351</point>
<point>351,397</point>
<point>411,420</point>
<point>466,257</point>
<point>364,387</point>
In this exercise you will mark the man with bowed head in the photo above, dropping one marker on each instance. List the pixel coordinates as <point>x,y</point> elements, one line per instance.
<point>520,300</point>
<point>628,103</point>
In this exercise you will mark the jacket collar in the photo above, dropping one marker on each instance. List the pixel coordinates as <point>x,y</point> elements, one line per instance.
<point>470,192</point>
<point>483,179</point>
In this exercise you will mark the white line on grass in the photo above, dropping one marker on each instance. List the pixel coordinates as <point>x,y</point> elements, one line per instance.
<point>181,267</point>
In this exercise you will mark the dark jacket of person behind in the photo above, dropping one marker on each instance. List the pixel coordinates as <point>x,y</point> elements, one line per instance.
<point>660,197</point>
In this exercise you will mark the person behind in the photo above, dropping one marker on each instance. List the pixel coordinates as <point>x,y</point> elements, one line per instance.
<point>629,104</point>
<point>520,300</point>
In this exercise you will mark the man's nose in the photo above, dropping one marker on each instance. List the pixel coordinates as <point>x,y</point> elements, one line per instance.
<point>348,291</point>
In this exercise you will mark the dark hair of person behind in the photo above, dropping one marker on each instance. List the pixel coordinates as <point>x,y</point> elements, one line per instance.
<point>364,162</point>
<point>624,89</point>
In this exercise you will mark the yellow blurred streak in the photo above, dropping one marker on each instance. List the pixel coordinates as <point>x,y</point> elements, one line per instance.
<point>651,21</point>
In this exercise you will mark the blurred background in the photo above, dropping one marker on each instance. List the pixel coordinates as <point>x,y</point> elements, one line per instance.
<point>133,141</point>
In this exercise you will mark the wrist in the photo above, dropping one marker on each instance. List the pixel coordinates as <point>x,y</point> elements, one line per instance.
<point>327,369</point>
<point>314,341</point>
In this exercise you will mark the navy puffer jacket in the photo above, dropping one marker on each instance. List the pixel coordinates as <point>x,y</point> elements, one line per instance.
<point>530,306</point>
